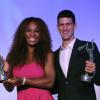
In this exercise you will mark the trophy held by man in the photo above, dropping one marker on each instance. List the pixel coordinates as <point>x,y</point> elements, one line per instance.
<point>86,77</point>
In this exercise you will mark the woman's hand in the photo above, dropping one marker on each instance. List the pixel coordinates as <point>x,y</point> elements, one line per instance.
<point>14,81</point>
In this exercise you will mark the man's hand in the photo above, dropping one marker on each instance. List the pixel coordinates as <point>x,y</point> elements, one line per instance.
<point>90,67</point>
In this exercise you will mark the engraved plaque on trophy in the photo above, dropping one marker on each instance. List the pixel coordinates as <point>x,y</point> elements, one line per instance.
<point>86,77</point>
<point>2,74</point>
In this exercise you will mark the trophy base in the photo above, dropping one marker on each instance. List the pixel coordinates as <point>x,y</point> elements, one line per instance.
<point>2,78</point>
<point>86,78</point>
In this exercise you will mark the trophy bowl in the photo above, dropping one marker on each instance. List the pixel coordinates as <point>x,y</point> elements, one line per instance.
<point>86,78</point>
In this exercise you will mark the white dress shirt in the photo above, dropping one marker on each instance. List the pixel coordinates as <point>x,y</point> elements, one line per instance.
<point>64,57</point>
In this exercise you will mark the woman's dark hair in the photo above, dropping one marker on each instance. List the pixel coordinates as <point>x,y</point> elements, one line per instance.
<point>18,52</point>
<point>66,13</point>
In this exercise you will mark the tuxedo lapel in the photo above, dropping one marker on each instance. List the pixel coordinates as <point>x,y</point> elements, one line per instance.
<point>73,58</point>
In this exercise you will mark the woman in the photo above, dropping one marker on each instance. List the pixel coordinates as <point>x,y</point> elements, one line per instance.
<point>30,59</point>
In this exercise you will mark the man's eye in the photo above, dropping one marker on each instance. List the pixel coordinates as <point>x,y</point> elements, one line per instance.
<point>36,30</point>
<point>61,25</point>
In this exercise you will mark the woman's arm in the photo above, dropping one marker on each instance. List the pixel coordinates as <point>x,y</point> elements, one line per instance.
<point>48,80</point>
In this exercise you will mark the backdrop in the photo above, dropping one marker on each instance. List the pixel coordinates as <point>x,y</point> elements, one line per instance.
<point>12,12</point>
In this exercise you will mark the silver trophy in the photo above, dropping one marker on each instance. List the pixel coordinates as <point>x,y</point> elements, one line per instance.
<point>2,74</point>
<point>86,77</point>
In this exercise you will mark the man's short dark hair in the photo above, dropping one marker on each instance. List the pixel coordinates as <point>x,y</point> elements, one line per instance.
<point>66,13</point>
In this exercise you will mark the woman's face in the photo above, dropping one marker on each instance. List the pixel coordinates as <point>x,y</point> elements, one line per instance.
<point>32,34</point>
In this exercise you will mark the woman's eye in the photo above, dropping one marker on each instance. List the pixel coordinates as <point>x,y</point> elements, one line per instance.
<point>28,30</point>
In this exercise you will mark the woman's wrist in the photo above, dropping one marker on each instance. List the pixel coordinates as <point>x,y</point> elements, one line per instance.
<point>23,81</point>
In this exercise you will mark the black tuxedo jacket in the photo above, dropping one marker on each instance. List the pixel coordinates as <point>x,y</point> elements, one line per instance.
<point>71,88</point>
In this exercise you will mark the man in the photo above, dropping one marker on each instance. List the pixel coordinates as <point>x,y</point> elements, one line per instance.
<point>72,60</point>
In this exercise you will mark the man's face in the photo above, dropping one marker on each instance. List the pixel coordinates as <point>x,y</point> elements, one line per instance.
<point>66,28</point>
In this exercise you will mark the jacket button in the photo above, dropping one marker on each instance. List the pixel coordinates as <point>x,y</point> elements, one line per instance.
<point>66,82</point>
